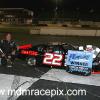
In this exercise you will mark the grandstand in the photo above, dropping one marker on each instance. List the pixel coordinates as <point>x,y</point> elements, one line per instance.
<point>15,16</point>
<point>21,16</point>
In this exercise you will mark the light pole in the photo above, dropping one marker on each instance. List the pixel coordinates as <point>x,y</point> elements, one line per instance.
<point>57,2</point>
<point>92,13</point>
<point>77,13</point>
<point>55,10</point>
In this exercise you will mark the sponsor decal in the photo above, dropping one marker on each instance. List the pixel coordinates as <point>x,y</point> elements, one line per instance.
<point>29,52</point>
<point>80,60</point>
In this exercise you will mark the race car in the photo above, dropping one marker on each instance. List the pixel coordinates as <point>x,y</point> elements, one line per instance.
<point>55,55</point>
<point>51,54</point>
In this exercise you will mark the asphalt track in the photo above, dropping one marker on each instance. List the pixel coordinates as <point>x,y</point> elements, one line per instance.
<point>40,73</point>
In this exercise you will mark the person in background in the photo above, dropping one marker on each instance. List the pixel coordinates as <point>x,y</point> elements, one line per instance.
<point>9,47</point>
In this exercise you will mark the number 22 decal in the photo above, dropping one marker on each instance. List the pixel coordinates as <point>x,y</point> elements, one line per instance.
<point>53,59</point>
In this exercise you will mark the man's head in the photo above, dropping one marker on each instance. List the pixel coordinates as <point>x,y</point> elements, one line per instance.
<point>8,36</point>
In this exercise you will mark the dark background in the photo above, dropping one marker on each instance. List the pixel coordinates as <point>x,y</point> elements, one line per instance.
<point>82,9</point>
<point>49,4</point>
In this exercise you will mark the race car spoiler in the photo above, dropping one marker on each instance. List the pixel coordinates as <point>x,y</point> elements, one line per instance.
<point>27,46</point>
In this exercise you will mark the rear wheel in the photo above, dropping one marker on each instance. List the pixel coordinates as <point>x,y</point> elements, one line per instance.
<point>3,61</point>
<point>31,61</point>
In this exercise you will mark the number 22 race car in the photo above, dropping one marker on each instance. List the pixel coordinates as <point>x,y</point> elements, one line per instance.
<point>52,54</point>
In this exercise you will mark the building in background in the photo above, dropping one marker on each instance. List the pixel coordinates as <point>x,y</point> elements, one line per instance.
<point>15,16</point>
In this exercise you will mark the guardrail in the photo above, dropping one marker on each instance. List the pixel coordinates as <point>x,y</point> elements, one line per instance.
<point>65,31</point>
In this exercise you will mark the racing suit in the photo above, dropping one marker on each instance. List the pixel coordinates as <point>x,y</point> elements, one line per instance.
<point>9,48</point>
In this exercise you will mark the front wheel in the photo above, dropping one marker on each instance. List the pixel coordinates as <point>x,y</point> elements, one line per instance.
<point>31,61</point>
<point>3,62</point>
<point>87,73</point>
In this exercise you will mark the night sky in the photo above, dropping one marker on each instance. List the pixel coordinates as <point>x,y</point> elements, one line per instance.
<point>81,6</point>
<point>69,4</point>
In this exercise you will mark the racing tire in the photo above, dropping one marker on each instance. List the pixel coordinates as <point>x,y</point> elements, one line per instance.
<point>3,62</point>
<point>31,61</point>
<point>87,74</point>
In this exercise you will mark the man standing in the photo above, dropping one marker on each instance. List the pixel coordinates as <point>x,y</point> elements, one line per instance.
<point>8,46</point>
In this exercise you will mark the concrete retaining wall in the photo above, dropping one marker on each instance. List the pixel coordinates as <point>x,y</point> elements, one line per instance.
<point>98,33</point>
<point>35,31</point>
<point>62,31</point>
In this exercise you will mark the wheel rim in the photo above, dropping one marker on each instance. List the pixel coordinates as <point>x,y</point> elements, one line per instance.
<point>31,61</point>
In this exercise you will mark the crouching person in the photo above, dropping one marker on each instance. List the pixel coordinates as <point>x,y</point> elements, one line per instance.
<point>8,50</point>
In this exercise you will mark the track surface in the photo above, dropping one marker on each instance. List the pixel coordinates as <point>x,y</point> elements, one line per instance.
<point>47,78</point>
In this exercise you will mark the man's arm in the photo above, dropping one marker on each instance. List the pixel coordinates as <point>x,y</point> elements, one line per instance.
<point>1,43</point>
<point>14,48</point>
<point>1,46</point>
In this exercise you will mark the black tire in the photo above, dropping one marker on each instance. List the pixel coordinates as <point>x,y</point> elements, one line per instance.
<point>31,61</point>
<point>3,62</point>
<point>87,74</point>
